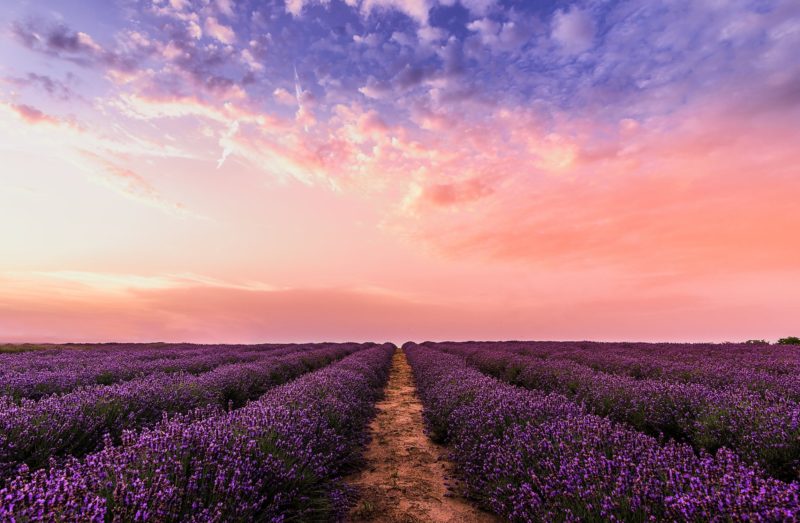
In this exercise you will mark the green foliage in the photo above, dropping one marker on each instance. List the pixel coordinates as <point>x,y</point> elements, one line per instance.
<point>24,347</point>
<point>791,340</point>
<point>757,342</point>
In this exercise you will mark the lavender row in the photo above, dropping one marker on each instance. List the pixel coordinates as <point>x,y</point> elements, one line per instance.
<point>775,359</point>
<point>280,458</point>
<point>761,428</point>
<point>76,423</point>
<point>530,456</point>
<point>79,356</point>
<point>37,375</point>
<point>774,368</point>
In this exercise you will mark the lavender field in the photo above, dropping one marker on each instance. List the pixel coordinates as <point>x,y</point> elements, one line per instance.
<point>212,212</point>
<point>502,431</point>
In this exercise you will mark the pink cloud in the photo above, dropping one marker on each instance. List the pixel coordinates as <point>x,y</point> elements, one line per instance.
<point>219,31</point>
<point>132,185</point>
<point>225,7</point>
<point>284,97</point>
<point>679,198</point>
<point>218,314</point>
<point>32,115</point>
<point>444,194</point>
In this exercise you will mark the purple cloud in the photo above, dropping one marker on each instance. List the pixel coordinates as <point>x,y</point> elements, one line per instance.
<point>573,29</point>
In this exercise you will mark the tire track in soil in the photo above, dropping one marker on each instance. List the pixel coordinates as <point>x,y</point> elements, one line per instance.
<point>403,480</point>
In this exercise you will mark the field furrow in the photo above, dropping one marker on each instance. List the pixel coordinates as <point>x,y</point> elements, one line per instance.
<point>405,474</point>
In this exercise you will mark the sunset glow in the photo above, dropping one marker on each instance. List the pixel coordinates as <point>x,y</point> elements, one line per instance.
<point>247,171</point>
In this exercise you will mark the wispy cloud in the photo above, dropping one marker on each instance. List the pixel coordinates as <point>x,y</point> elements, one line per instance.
<point>130,184</point>
<point>32,115</point>
<point>53,87</point>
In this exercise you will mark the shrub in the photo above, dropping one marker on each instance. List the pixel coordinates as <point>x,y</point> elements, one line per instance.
<point>791,340</point>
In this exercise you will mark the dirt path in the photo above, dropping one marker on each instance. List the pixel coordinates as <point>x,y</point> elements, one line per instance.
<point>403,481</point>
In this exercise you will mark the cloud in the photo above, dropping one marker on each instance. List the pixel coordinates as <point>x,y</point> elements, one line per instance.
<point>85,306</point>
<point>295,7</point>
<point>155,107</point>
<point>410,76</point>
<point>131,185</point>
<point>486,28</point>
<point>446,194</point>
<point>226,142</point>
<point>32,115</point>
<point>500,36</point>
<point>77,47</point>
<point>225,7</point>
<point>369,40</point>
<point>68,136</point>
<point>478,7</point>
<point>250,60</point>
<point>371,123</point>
<point>429,35</point>
<point>194,29</point>
<point>284,97</point>
<point>677,199</point>
<point>219,31</point>
<point>180,59</point>
<point>403,39</point>
<point>415,9</point>
<point>98,155</point>
<point>124,283</point>
<point>574,29</point>
<point>53,87</point>
<point>375,88</point>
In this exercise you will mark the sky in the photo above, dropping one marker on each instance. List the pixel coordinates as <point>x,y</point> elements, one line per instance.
<point>305,170</point>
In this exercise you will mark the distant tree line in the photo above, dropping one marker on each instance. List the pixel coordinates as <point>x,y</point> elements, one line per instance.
<point>790,340</point>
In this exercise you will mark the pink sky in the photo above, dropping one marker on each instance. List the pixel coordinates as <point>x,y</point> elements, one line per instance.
<point>399,170</point>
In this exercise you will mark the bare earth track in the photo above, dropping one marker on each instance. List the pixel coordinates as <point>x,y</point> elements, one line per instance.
<point>404,477</point>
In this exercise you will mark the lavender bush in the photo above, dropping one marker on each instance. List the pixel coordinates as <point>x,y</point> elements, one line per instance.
<point>761,428</point>
<point>34,432</point>
<point>37,374</point>
<point>530,456</point>
<point>768,368</point>
<point>280,458</point>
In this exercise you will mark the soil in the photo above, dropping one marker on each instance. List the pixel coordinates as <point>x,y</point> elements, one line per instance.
<point>404,477</point>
